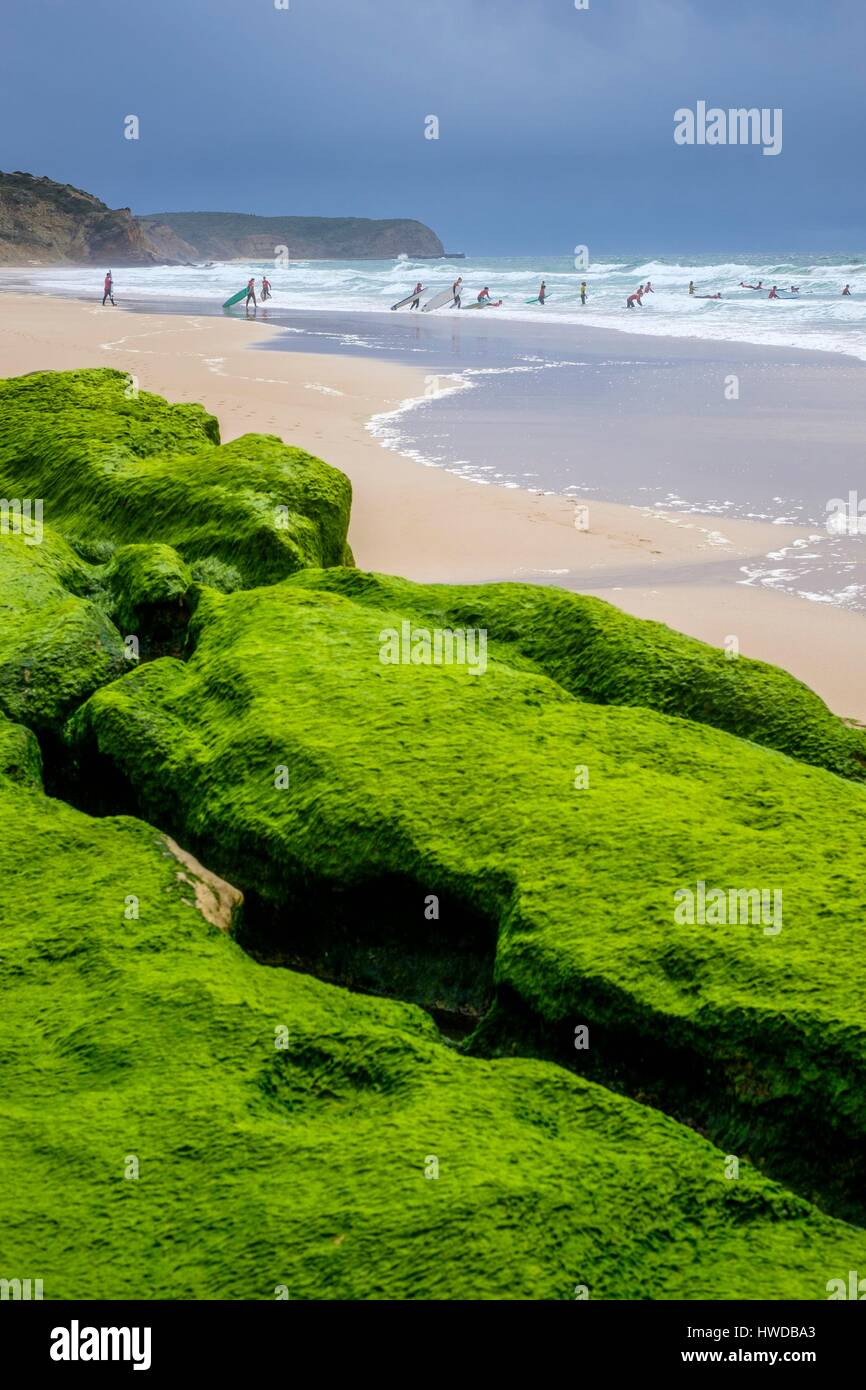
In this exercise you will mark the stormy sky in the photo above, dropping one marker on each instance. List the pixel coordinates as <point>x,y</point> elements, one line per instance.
<point>555,124</point>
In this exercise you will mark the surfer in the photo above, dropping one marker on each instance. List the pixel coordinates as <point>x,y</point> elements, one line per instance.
<point>708,296</point>
<point>266,287</point>
<point>795,289</point>
<point>542,293</point>
<point>583,291</point>
<point>484,296</point>
<point>774,294</point>
<point>648,289</point>
<point>417,292</point>
<point>108,288</point>
<point>635,298</point>
<point>744,286</point>
<point>251,292</point>
<point>691,287</point>
<point>455,290</point>
<point>847,290</point>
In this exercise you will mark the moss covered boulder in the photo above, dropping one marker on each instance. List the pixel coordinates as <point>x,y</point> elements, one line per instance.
<point>178,1121</point>
<point>56,643</point>
<point>115,465</point>
<point>332,784</point>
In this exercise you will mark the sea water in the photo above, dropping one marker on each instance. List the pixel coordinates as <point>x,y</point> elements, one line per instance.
<point>743,406</point>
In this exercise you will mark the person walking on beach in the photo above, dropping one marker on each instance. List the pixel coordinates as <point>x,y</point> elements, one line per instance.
<point>847,290</point>
<point>251,292</point>
<point>108,288</point>
<point>455,290</point>
<point>418,292</point>
<point>583,291</point>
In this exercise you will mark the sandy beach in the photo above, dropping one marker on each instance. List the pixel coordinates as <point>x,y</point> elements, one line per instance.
<point>428,524</point>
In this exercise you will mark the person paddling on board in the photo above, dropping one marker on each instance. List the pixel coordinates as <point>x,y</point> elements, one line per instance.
<point>847,290</point>
<point>583,291</point>
<point>456,289</point>
<point>108,288</point>
<point>417,292</point>
<point>744,286</point>
<point>266,287</point>
<point>251,291</point>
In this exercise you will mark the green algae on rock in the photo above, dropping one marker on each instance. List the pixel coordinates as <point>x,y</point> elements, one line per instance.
<point>56,644</point>
<point>599,653</point>
<point>115,465</point>
<point>178,1121</point>
<point>465,785</point>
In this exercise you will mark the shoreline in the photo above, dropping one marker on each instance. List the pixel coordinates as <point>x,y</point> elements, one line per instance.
<point>427,523</point>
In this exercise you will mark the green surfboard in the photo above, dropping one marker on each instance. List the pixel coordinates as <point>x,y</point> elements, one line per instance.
<point>241,294</point>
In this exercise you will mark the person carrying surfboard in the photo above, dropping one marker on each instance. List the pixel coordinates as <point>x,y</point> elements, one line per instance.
<point>108,289</point>
<point>542,293</point>
<point>251,291</point>
<point>583,291</point>
<point>418,292</point>
<point>455,290</point>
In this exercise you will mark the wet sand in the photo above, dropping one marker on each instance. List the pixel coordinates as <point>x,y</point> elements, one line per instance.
<point>428,524</point>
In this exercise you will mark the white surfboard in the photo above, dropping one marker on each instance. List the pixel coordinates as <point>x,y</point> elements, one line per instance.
<point>439,299</point>
<point>408,299</point>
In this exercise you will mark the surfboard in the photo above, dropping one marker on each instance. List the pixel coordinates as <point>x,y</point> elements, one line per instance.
<point>241,294</point>
<point>439,299</point>
<point>484,304</point>
<point>408,299</point>
<point>536,300</point>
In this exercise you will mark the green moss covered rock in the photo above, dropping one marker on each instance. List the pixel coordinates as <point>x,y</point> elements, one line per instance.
<point>599,653</point>
<point>117,466</point>
<point>177,1121</point>
<point>150,587</point>
<point>56,644</point>
<point>569,826</point>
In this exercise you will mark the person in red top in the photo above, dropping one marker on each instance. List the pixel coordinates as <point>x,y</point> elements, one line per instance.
<point>635,298</point>
<point>108,289</point>
<point>266,287</point>
<point>847,289</point>
<point>418,292</point>
<point>251,291</point>
<point>774,294</point>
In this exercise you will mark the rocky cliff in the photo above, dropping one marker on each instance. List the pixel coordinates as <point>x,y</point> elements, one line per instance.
<point>223,236</point>
<point>47,223</point>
